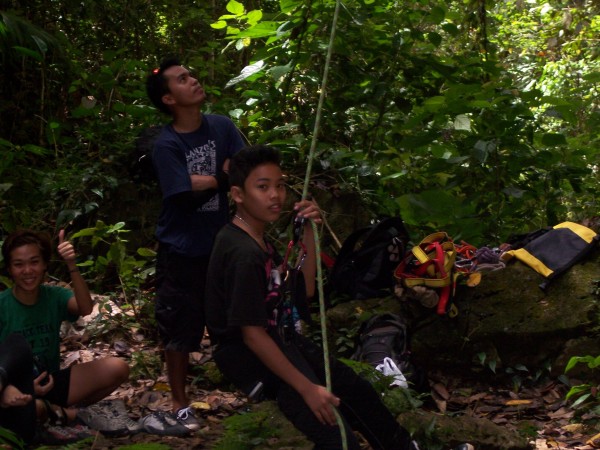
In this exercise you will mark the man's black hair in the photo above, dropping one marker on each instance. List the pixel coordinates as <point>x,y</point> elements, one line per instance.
<point>20,238</point>
<point>247,159</point>
<point>157,85</point>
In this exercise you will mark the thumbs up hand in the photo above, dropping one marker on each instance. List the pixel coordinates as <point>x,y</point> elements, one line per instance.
<point>65,248</point>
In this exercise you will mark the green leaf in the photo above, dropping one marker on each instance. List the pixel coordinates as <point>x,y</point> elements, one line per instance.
<point>147,252</point>
<point>482,149</point>
<point>260,30</point>
<point>41,44</point>
<point>246,72</point>
<point>287,6</point>
<point>593,77</point>
<point>116,227</point>
<point>481,356</point>
<point>28,52</point>
<point>279,71</point>
<point>580,400</point>
<point>479,104</point>
<point>84,232</point>
<point>462,122</point>
<point>440,151</point>
<point>435,103</point>
<point>513,191</point>
<point>36,150</point>
<point>66,216</point>
<point>450,28</point>
<point>254,16</point>
<point>219,25</point>
<point>6,143</point>
<point>554,139</point>
<point>235,7</point>
<point>434,38</point>
<point>437,15</point>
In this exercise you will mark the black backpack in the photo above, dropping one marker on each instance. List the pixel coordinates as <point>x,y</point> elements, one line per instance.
<point>386,336</point>
<point>365,264</point>
<point>141,166</point>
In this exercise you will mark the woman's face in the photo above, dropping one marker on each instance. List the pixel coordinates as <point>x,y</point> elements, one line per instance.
<point>27,267</point>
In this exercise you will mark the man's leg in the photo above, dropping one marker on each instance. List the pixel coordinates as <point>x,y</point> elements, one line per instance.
<point>177,368</point>
<point>92,381</point>
<point>180,316</point>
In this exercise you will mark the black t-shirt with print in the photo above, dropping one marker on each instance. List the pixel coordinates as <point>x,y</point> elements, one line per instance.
<point>236,285</point>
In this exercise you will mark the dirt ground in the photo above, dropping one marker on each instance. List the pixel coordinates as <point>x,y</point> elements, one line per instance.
<point>538,412</point>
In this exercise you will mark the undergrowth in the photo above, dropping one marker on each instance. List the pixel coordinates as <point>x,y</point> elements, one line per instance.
<point>246,431</point>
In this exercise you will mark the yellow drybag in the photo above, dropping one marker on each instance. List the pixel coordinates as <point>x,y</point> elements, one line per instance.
<point>557,250</point>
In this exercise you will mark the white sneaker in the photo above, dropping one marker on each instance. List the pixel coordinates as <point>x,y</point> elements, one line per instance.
<point>163,423</point>
<point>187,418</point>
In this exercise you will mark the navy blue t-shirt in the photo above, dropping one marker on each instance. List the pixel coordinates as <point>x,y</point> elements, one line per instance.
<point>190,232</point>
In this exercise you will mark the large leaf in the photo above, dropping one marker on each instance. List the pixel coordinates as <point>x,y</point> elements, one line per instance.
<point>247,72</point>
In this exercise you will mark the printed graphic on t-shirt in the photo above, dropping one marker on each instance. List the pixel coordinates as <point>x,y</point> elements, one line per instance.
<point>202,160</point>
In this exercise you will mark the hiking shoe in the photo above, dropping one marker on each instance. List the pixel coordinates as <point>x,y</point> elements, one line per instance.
<point>59,435</point>
<point>187,418</point>
<point>464,446</point>
<point>109,417</point>
<point>163,423</point>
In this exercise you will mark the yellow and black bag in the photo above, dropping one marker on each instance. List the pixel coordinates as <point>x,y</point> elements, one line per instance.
<point>556,250</point>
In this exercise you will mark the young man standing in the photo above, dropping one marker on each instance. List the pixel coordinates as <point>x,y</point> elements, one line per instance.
<point>190,156</point>
<point>251,350</point>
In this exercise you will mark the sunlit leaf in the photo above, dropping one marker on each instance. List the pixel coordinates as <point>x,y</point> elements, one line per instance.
<point>235,7</point>
<point>219,25</point>
<point>247,72</point>
<point>287,6</point>
<point>260,30</point>
<point>254,16</point>
<point>462,122</point>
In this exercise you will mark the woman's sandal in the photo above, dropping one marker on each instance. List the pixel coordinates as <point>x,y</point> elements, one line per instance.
<point>55,415</point>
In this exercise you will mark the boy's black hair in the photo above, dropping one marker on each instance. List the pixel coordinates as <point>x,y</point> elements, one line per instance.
<point>24,237</point>
<point>247,159</point>
<point>157,85</point>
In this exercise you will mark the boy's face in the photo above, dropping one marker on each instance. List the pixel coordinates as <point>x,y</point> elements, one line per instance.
<point>263,194</point>
<point>27,267</point>
<point>184,90</point>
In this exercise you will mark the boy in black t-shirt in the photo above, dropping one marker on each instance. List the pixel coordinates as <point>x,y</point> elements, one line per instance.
<point>250,351</point>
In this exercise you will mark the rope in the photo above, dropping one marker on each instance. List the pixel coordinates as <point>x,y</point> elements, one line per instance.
<point>311,157</point>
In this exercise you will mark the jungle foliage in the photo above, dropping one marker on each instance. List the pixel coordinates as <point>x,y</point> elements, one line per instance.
<point>479,118</point>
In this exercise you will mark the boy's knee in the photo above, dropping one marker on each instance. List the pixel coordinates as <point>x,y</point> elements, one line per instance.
<point>119,370</point>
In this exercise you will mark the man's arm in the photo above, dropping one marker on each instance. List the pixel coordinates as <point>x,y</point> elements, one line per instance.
<point>81,303</point>
<point>317,397</point>
<point>204,187</point>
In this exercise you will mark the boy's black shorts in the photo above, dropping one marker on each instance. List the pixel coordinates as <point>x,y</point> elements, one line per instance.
<point>59,394</point>
<point>180,282</point>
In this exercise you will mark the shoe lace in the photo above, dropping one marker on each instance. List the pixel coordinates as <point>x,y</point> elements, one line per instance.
<point>184,413</point>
